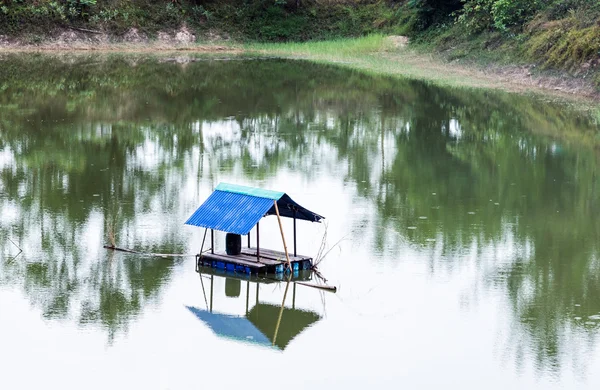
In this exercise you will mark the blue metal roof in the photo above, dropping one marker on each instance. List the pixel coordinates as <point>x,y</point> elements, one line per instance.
<point>236,209</point>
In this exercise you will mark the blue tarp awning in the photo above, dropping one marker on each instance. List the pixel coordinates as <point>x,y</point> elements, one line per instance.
<point>236,209</point>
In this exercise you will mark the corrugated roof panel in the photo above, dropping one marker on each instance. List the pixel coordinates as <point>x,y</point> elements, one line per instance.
<point>252,191</point>
<point>230,212</point>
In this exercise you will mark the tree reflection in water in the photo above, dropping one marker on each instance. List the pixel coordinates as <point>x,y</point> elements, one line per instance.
<point>108,145</point>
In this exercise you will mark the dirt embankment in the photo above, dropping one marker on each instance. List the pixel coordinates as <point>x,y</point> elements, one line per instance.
<point>76,39</point>
<point>518,78</point>
<point>528,76</point>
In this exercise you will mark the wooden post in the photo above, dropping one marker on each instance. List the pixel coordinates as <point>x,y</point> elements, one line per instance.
<point>212,241</point>
<point>257,243</point>
<point>211,291</point>
<point>294,297</point>
<point>295,254</point>
<point>247,295</point>
<point>287,256</point>
<point>257,286</point>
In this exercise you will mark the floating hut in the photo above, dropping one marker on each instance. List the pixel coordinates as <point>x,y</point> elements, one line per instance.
<point>236,210</point>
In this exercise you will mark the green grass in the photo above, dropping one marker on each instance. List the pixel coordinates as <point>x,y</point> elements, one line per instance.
<point>337,47</point>
<point>376,54</point>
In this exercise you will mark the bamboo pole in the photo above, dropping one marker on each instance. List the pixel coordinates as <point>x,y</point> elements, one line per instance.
<point>126,250</point>
<point>287,256</point>
<point>203,290</point>
<point>324,287</point>
<point>287,286</point>
<point>18,247</point>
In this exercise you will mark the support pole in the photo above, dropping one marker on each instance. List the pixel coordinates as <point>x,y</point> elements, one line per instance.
<point>199,255</point>
<point>212,280</point>
<point>248,240</point>
<point>287,256</point>
<point>212,241</point>
<point>294,297</point>
<point>247,296</point>
<point>257,242</point>
<point>295,254</point>
<point>257,287</point>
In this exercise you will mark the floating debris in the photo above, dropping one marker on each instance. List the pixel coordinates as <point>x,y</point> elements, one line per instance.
<point>412,228</point>
<point>422,217</point>
<point>471,213</point>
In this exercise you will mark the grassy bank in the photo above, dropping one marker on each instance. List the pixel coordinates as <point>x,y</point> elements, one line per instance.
<point>517,39</point>
<point>549,35</point>
<point>379,54</point>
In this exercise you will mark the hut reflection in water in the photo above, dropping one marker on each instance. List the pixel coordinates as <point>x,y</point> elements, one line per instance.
<point>264,324</point>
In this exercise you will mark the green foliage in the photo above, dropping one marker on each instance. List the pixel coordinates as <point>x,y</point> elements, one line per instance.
<point>263,20</point>
<point>481,15</point>
<point>477,15</point>
<point>427,13</point>
<point>573,49</point>
<point>559,34</point>
<point>509,13</point>
<point>276,21</point>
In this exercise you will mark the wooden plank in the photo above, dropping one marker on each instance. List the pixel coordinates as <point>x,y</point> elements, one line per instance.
<point>263,260</point>
<point>265,265</point>
<point>242,259</point>
<point>233,260</point>
<point>272,254</point>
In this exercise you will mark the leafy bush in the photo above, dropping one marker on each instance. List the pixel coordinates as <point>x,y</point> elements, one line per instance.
<point>509,13</point>
<point>477,15</point>
<point>482,15</point>
<point>432,12</point>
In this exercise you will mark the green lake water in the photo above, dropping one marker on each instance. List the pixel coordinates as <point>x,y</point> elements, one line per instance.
<point>464,227</point>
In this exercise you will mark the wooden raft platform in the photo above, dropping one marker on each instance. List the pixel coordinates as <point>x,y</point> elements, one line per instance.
<point>270,262</point>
